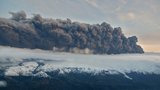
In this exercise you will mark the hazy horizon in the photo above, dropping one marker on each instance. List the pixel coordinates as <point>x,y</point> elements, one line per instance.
<point>135,17</point>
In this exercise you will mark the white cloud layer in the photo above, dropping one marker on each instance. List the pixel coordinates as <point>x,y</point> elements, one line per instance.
<point>24,62</point>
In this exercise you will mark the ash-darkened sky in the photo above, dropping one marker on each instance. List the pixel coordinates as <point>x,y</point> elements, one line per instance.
<point>135,17</point>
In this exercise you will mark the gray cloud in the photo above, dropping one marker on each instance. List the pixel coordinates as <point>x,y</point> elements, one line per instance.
<point>137,16</point>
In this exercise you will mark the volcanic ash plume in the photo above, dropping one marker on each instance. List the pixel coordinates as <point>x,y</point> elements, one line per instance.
<point>64,35</point>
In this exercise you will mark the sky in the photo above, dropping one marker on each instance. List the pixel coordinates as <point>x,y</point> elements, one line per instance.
<point>135,17</point>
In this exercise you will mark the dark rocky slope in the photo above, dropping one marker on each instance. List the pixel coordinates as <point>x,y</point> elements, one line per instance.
<point>84,81</point>
<point>65,35</point>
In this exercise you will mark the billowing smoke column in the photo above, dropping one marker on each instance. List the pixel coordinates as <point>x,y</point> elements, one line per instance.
<point>65,35</point>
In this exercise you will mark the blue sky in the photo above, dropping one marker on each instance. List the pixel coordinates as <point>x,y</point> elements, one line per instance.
<point>135,17</point>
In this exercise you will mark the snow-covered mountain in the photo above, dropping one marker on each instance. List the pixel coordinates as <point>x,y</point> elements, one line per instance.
<point>15,62</point>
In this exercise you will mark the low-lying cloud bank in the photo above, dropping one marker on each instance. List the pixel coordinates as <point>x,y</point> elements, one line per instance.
<point>64,35</point>
<point>25,62</point>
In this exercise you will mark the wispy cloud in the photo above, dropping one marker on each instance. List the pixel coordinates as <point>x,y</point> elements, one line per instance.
<point>93,3</point>
<point>127,16</point>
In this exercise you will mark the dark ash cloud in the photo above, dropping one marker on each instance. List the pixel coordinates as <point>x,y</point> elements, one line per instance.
<point>44,33</point>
